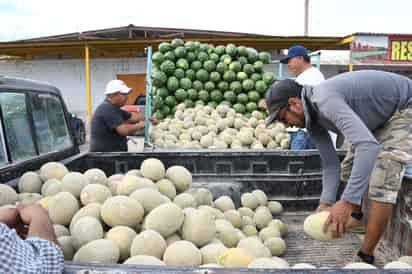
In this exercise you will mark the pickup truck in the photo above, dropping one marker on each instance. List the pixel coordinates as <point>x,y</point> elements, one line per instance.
<point>35,129</point>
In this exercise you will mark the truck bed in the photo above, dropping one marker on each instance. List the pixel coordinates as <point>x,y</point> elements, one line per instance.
<point>291,177</point>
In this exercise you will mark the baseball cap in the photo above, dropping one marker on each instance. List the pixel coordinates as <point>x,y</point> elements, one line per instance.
<point>294,52</point>
<point>278,96</point>
<point>117,86</point>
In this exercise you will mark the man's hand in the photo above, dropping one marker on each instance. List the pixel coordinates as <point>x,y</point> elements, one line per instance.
<point>9,216</point>
<point>153,120</point>
<point>338,217</point>
<point>30,212</point>
<point>37,218</point>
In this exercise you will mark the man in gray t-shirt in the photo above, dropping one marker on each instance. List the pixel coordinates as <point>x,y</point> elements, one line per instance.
<point>111,125</point>
<point>373,111</point>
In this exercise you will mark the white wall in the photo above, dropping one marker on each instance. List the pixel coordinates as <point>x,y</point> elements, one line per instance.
<point>69,76</point>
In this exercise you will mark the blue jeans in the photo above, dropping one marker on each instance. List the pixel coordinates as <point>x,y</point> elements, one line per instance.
<point>301,140</point>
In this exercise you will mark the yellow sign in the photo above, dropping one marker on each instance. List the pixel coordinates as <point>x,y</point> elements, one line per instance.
<point>400,50</point>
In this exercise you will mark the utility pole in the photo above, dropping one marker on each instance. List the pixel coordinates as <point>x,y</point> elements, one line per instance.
<point>306,26</point>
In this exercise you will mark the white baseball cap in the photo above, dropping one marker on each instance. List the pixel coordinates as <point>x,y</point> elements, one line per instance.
<point>117,86</point>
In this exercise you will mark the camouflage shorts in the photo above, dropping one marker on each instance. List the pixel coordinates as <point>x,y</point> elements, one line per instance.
<point>396,140</point>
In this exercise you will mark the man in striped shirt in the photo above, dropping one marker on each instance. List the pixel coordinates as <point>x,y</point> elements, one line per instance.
<point>27,241</point>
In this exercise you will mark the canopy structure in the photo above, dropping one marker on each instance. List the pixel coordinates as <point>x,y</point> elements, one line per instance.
<point>131,40</point>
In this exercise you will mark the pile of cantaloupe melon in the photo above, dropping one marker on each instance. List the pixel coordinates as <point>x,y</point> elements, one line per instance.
<point>153,216</point>
<point>203,127</point>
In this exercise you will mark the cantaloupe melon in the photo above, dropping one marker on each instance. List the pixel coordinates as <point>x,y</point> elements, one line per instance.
<point>144,260</point>
<point>254,247</point>
<point>203,196</point>
<point>149,198</point>
<point>269,232</point>
<point>121,210</point>
<point>262,217</point>
<point>184,200</point>
<point>62,208</point>
<point>397,265</point>
<point>29,198</point>
<point>180,177</point>
<point>245,211</point>
<point>233,216</point>
<point>30,182</point>
<point>249,200</point>
<point>406,259</point>
<point>224,203</point>
<point>313,226</point>
<point>130,183</point>
<point>95,193</point>
<point>268,263</point>
<point>275,207</point>
<point>276,245</point>
<point>74,182</point>
<point>303,266</point>
<point>51,187</point>
<point>182,253</point>
<point>7,195</point>
<point>165,219</point>
<point>96,176</point>
<point>153,169</point>
<point>53,170</point>
<point>199,228</point>
<point>148,242</point>
<point>260,196</point>
<point>98,251</point>
<point>235,258</point>
<point>280,225</point>
<point>167,188</point>
<point>92,210</point>
<point>123,237</point>
<point>211,253</point>
<point>60,230</point>
<point>229,237</point>
<point>173,238</point>
<point>359,265</point>
<point>86,230</point>
<point>65,243</point>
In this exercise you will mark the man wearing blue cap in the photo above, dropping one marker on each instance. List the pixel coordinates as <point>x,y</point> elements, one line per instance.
<point>299,65</point>
<point>373,111</point>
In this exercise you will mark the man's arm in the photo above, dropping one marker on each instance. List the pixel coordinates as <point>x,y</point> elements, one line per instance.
<point>136,117</point>
<point>126,129</point>
<point>365,144</point>
<point>330,164</point>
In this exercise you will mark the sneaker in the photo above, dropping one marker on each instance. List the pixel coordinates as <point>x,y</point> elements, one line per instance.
<point>361,257</point>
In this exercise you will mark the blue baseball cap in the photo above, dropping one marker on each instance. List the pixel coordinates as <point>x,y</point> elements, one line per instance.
<point>294,52</point>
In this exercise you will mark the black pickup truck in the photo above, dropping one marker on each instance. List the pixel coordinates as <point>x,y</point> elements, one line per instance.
<point>35,129</point>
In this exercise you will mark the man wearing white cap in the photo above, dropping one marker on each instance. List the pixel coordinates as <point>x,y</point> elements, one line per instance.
<point>111,125</point>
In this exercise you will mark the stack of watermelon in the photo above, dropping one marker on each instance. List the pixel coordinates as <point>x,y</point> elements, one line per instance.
<point>196,73</point>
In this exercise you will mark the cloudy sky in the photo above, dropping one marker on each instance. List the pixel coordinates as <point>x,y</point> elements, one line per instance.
<point>34,18</point>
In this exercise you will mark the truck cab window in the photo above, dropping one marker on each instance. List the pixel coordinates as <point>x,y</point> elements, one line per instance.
<point>3,156</point>
<point>17,126</point>
<point>51,129</point>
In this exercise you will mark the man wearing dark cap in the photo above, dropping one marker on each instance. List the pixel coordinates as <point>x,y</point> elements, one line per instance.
<point>373,111</point>
<point>299,65</point>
